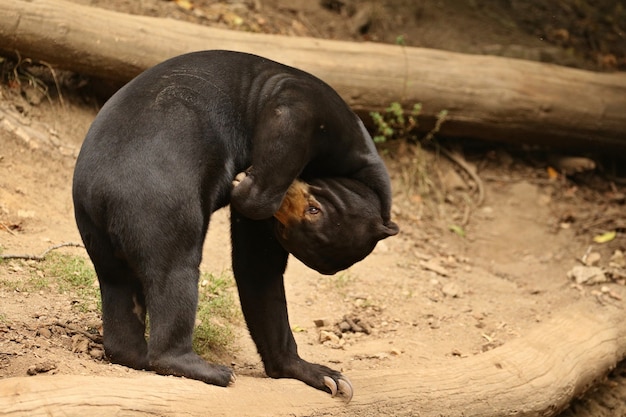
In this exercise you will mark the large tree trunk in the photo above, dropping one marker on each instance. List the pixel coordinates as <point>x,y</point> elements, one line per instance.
<point>486,97</point>
<point>537,375</point>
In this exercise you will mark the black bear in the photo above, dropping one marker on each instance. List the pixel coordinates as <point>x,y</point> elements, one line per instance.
<point>164,153</point>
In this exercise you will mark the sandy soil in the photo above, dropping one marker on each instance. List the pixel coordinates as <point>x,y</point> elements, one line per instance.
<point>427,293</point>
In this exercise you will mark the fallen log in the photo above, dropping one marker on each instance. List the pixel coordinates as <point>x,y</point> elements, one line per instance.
<point>536,375</point>
<point>486,97</point>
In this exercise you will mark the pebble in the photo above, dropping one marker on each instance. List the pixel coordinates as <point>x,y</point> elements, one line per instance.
<point>44,332</point>
<point>96,353</point>
<point>41,368</point>
<point>327,336</point>
<point>587,275</point>
<point>593,259</point>
<point>618,259</point>
<point>344,326</point>
<point>452,290</point>
<point>322,322</point>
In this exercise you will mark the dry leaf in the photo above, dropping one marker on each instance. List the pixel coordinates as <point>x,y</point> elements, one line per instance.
<point>184,4</point>
<point>605,237</point>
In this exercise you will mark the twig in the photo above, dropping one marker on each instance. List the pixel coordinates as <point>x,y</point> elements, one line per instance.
<point>43,255</point>
<point>7,229</point>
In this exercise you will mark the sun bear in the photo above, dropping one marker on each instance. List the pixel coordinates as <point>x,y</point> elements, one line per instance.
<point>194,134</point>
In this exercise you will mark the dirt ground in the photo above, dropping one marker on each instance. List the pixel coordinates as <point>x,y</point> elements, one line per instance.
<point>459,279</point>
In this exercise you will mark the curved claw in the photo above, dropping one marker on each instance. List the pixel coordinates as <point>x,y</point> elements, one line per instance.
<point>240,177</point>
<point>345,388</point>
<point>331,384</point>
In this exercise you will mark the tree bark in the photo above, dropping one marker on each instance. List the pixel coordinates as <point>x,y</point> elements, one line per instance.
<point>537,375</point>
<point>486,97</point>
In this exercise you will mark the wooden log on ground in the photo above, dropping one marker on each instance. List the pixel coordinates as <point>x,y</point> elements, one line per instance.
<point>486,97</point>
<point>536,375</point>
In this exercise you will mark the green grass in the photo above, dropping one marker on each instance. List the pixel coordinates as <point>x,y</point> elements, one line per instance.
<point>217,312</point>
<point>38,282</point>
<point>72,274</point>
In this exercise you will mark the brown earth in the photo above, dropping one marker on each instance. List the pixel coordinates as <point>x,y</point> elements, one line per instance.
<point>432,291</point>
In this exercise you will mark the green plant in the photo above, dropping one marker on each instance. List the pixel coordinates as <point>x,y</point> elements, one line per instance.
<point>217,312</point>
<point>395,123</point>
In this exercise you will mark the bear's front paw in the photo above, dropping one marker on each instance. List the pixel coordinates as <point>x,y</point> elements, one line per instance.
<point>341,386</point>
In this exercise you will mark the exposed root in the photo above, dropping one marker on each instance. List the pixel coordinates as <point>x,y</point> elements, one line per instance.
<point>460,161</point>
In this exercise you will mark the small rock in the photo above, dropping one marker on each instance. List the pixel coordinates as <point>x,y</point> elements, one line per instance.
<point>321,323</point>
<point>587,275</point>
<point>451,290</point>
<point>367,329</point>
<point>41,368</point>
<point>44,332</point>
<point>80,344</point>
<point>617,259</point>
<point>396,352</point>
<point>593,259</point>
<point>344,326</point>
<point>96,353</point>
<point>326,336</point>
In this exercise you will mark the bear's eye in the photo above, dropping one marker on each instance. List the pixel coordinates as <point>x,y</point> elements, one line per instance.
<point>312,210</point>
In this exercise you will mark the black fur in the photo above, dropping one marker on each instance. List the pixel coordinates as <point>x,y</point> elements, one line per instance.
<point>160,158</point>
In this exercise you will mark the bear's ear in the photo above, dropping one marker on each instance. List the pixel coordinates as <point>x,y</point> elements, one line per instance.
<point>388,228</point>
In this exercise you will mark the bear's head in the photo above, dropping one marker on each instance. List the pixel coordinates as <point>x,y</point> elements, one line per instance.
<point>331,223</point>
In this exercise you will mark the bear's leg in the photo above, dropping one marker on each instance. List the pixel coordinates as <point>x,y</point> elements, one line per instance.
<point>172,298</point>
<point>123,322</point>
<point>123,306</point>
<point>259,263</point>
